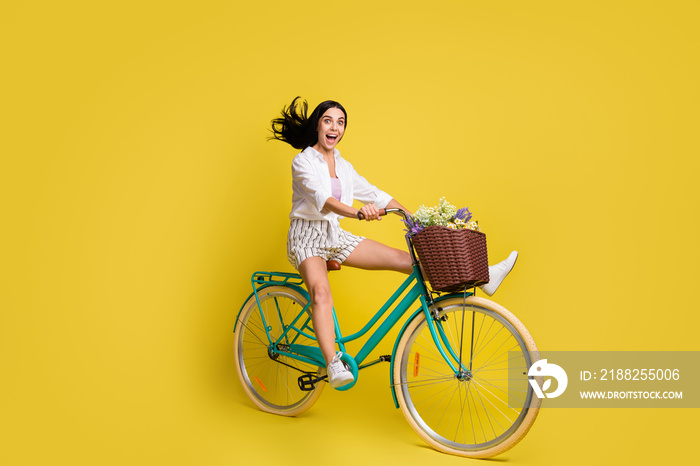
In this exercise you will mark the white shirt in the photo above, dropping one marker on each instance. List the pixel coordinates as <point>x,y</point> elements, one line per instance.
<point>311,186</point>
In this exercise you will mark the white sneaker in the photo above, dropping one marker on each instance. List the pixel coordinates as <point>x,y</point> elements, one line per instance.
<point>498,272</point>
<point>338,373</point>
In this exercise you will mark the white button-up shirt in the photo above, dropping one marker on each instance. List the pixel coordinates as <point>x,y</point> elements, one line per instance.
<point>311,186</point>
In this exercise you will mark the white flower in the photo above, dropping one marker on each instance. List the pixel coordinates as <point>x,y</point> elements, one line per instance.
<point>443,214</point>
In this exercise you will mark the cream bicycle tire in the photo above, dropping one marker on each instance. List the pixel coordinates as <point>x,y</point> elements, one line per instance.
<point>416,374</point>
<point>271,384</point>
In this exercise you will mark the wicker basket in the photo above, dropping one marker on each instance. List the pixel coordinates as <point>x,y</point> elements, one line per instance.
<point>452,259</point>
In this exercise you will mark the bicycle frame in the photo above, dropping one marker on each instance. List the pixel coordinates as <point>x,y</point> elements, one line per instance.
<point>285,343</point>
<point>417,290</point>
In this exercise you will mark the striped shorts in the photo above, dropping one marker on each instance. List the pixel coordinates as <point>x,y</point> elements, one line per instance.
<point>317,238</point>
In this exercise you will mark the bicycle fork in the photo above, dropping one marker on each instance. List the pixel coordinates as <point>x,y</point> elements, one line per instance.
<point>459,365</point>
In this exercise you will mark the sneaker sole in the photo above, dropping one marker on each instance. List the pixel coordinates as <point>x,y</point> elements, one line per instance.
<point>342,383</point>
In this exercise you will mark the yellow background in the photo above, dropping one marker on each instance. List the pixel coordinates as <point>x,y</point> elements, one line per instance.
<point>139,194</point>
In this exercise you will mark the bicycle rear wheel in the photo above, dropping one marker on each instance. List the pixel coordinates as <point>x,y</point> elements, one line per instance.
<point>270,379</point>
<point>486,408</point>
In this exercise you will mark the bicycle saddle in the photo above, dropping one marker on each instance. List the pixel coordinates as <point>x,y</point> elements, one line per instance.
<point>332,265</point>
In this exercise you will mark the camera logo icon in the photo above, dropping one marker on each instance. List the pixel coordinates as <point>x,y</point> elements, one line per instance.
<point>544,369</point>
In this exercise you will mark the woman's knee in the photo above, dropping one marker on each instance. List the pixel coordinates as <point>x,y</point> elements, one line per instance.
<point>320,293</point>
<point>321,296</point>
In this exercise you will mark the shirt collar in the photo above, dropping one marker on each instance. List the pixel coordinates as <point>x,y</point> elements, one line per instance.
<point>312,151</point>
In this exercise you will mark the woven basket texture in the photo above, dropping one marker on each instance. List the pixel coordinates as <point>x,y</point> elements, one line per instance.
<point>452,259</point>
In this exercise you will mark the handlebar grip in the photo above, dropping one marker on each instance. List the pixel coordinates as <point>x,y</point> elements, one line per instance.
<point>361,216</point>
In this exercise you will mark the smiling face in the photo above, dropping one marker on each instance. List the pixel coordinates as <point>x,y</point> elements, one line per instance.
<point>331,127</point>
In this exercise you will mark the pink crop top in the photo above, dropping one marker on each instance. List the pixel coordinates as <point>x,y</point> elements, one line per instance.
<point>336,188</point>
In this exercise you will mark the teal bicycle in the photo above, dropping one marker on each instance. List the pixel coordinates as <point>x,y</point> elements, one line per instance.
<point>459,366</point>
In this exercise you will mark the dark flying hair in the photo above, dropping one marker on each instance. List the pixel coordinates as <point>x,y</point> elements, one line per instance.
<point>298,130</point>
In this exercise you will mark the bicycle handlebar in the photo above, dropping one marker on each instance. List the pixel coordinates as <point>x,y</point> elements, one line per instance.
<point>383,212</point>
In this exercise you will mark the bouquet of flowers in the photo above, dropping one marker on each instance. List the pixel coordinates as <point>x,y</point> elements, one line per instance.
<point>444,214</point>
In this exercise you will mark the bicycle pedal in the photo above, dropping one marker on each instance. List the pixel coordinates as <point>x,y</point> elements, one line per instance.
<point>307,382</point>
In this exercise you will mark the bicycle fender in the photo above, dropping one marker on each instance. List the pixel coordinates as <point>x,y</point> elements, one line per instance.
<point>297,288</point>
<point>403,330</point>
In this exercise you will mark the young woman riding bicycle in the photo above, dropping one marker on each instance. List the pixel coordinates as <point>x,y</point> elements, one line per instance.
<point>324,186</point>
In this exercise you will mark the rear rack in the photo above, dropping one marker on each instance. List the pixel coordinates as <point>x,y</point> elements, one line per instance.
<point>275,278</point>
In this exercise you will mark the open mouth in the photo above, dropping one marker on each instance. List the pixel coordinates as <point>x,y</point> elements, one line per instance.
<point>331,138</point>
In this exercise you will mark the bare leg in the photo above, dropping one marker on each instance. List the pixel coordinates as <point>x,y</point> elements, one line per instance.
<point>372,255</point>
<point>313,272</point>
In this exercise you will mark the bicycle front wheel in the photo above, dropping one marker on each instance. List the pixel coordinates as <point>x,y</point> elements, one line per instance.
<point>268,378</point>
<point>483,409</point>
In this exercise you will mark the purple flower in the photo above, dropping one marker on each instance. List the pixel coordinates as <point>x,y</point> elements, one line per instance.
<point>412,226</point>
<point>463,214</point>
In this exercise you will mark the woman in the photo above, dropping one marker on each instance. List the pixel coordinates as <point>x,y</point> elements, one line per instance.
<point>324,186</point>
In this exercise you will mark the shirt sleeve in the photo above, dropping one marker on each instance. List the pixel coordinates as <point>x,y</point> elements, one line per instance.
<point>308,184</point>
<point>367,193</point>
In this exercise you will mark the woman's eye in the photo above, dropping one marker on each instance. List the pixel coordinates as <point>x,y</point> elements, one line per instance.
<point>341,122</point>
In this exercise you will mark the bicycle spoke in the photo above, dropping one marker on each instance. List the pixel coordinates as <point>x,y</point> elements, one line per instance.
<point>430,383</point>
<point>486,413</point>
<point>487,342</point>
<point>435,399</point>
<point>507,392</point>
<point>252,333</point>
<point>478,387</point>
<point>493,354</point>
<point>437,358</point>
<point>462,399</point>
<point>449,423</point>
